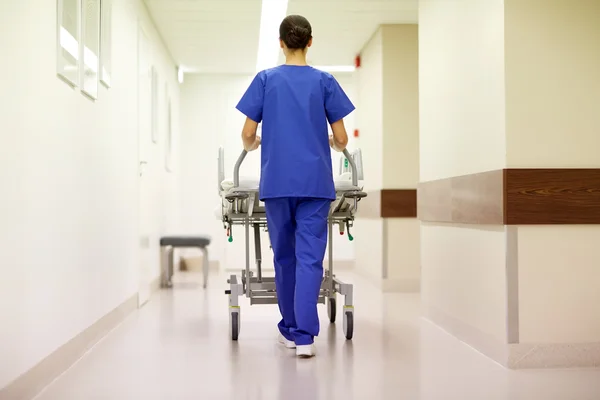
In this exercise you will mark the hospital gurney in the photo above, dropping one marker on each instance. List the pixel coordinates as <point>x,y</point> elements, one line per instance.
<point>240,205</point>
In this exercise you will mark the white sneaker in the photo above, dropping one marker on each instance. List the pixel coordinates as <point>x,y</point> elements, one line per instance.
<point>306,350</point>
<point>287,343</point>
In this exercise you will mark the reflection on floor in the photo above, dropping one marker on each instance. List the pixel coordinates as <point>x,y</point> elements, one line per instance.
<point>178,347</point>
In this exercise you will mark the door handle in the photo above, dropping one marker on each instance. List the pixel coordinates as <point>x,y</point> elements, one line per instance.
<point>142,167</point>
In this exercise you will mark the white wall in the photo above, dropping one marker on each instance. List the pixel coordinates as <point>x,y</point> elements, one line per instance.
<point>369,114</point>
<point>369,119</point>
<point>203,119</point>
<point>68,169</point>
<point>553,84</point>
<point>404,252</point>
<point>462,131</point>
<point>464,276</point>
<point>401,149</point>
<point>552,120</point>
<point>388,119</point>
<point>400,106</point>
<point>558,284</point>
<point>209,119</point>
<point>461,85</point>
<point>503,85</point>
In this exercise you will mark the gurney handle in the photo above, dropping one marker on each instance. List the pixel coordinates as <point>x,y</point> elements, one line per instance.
<point>236,169</point>
<point>238,163</point>
<point>353,166</point>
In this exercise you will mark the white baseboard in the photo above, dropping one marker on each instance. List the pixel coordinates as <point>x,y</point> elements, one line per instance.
<point>194,264</point>
<point>340,265</point>
<point>560,355</point>
<point>470,335</point>
<point>521,355</point>
<point>155,285</point>
<point>369,277</point>
<point>32,382</point>
<point>400,285</point>
<point>391,285</point>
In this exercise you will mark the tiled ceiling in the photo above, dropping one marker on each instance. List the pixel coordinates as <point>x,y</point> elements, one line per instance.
<point>209,35</point>
<point>221,36</point>
<point>342,27</point>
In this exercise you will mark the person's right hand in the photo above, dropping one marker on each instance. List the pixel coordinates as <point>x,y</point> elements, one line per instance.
<point>332,143</point>
<point>255,145</point>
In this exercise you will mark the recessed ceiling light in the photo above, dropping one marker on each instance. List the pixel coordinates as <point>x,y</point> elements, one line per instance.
<point>180,74</point>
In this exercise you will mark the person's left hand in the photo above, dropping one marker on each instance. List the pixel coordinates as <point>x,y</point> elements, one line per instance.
<point>255,145</point>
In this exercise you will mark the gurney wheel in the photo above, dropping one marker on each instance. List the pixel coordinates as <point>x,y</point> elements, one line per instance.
<point>348,324</point>
<point>234,325</point>
<point>331,309</point>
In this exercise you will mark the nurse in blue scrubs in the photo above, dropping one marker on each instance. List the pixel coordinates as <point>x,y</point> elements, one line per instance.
<point>295,103</point>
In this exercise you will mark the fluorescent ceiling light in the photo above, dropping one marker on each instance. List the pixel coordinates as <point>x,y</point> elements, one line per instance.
<point>335,68</point>
<point>272,13</point>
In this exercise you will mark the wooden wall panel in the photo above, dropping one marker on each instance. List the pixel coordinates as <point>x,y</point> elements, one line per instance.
<point>468,199</point>
<point>552,196</point>
<point>370,206</point>
<point>389,203</point>
<point>513,197</point>
<point>399,203</point>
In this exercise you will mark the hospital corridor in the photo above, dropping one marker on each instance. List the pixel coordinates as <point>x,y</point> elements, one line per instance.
<point>300,199</point>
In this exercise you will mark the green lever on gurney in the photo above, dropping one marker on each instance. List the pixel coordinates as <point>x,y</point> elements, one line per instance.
<point>230,239</point>
<point>350,237</point>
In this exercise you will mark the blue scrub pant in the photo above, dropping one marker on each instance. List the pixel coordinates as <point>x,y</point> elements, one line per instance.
<point>298,233</point>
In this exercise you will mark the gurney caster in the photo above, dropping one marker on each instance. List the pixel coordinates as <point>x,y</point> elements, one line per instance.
<point>348,323</point>
<point>331,309</point>
<point>234,322</point>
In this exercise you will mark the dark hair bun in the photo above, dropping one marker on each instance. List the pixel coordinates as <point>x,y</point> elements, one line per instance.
<point>298,37</point>
<point>295,31</point>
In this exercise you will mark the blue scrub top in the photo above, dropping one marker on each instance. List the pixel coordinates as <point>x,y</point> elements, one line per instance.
<point>295,103</point>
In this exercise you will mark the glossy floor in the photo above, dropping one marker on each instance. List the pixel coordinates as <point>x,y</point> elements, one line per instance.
<point>178,347</point>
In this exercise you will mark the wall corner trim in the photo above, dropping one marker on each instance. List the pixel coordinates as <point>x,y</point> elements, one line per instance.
<point>35,380</point>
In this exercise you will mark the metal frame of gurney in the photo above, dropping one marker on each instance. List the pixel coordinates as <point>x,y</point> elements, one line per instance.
<point>240,205</point>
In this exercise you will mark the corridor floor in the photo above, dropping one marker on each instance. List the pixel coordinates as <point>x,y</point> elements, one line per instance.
<point>177,347</point>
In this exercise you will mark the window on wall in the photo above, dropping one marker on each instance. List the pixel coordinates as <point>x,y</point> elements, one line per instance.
<point>90,37</point>
<point>83,51</point>
<point>155,127</point>
<point>105,42</point>
<point>68,41</point>
<point>169,132</point>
